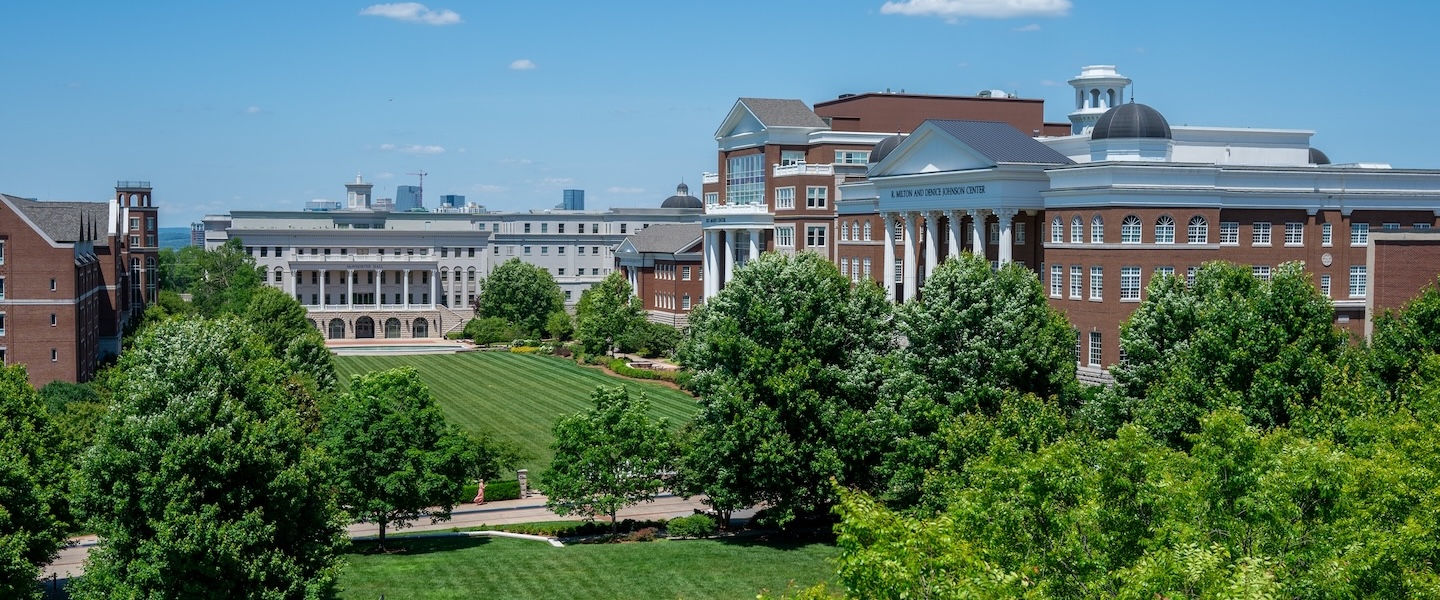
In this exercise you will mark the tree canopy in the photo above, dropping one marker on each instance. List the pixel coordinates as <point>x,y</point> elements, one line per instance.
<point>608,458</point>
<point>202,483</point>
<point>224,279</point>
<point>33,507</point>
<point>520,293</point>
<point>606,312</point>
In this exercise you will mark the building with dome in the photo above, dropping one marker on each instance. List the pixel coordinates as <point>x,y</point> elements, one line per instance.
<point>1098,208</point>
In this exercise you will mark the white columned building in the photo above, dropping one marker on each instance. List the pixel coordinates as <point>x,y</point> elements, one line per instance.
<point>723,224</point>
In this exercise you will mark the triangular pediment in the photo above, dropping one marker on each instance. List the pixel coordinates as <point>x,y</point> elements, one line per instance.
<point>625,247</point>
<point>739,121</point>
<point>692,247</point>
<point>930,150</point>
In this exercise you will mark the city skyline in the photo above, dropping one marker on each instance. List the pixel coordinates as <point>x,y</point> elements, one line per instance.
<point>268,105</point>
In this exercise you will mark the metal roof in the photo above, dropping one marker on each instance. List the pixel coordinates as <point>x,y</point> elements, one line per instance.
<point>1001,142</point>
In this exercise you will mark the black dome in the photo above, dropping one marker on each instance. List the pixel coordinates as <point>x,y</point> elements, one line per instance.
<point>682,199</point>
<point>1318,158</point>
<point>1131,121</point>
<point>884,147</point>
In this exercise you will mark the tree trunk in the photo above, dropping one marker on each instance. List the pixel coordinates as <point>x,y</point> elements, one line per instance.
<point>382,534</point>
<point>614,524</point>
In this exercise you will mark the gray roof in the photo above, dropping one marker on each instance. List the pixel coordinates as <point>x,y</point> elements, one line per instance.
<point>1001,142</point>
<point>1130,121</point>
<point>66,221</point>
<point>665,238</point>
<point>774,112</point>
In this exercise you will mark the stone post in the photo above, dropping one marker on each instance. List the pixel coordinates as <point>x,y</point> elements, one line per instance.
<point>524,476</point>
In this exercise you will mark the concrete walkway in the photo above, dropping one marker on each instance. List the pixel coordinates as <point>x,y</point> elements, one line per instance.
<point>71,562</point>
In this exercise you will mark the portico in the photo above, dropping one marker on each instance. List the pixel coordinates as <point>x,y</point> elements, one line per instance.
<point>734,235</point>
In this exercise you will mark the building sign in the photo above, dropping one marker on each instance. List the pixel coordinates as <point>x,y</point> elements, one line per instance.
<point>954,190</point>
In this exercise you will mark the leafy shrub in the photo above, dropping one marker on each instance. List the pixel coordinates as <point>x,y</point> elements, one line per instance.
<point>646,534</point>
<point>696,526</point>
<point>563,351</point>
<point>525,349</point>
<point>570,529</point>
<point>620,368</point>
<point>500,489</point>
<point>649,339</point>
<point>489,330</point>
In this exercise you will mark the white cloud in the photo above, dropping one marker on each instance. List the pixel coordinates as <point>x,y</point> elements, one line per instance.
<point>485,188</point>
<point>1027,28</point>
<point>252,110</point>
<point>980,9</point>
<point>413,149</point>
<point>523,64</point>
<point>412,12</point>
<point>615,189</point>
<point>384,175</point>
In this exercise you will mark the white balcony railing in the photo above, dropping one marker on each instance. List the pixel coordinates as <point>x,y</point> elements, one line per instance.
<point>709,178</point>
<point>368,307</point>
<point>737,209</point>
<point>364,258</point>
<point>801,168</point>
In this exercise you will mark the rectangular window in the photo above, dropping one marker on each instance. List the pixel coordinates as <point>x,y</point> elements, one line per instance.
<point>685,302</point>
<point>711,199</point>
<point>1390,226</point>
<point>1019,234</point>
<point>1260,233</point>
<point>1417,226</point>
<point>54,320</point>
<point>745,179</point>
<point>264,251</point>
<point>685,273</point>
<point>1357,281</point>
<point>1095,348</point>
<point>790,157</point>
<point>560,250</point>
<point>785,236</point>
<point>135,223</point>
<point>472,253</point>
<point>994,234</point>
<point>53,286</point>
<point>624,227</point>
<point>816,196</point>
<point>852,157</point>
<point>845,267</point>
<point>1325,235</point>
<point>560,228</point>
<point>784,198</point>
<point>2,252</point>
<point>2,323</point>
<point>54,355</point>
<point>527,251</point>
<point>527,228</point>
<point>1229,233</point>
<point>1189,277</point>
<point>1164,271</point>
<point>1261,271</point>
<point>560,271</point>
<point>594,228</point>
<point>595,250</point>
<point>815,236</point>
<point>544,250</point>
<point>1097,283</point>
<point>1076,274</point>
<point>580,250</point>
<point>1129,284</point>
<point>595,271</point>
<point>1325,285</point>
<point>1359,234</point>
<point>544,228</point>
<point>866,264</point>
<point>1057,283</point>
<point>1294,234</point>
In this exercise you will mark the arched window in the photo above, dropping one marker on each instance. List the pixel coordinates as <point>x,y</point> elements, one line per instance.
<point>1097,230</point>
<point>1110,95</point>
<point>470,274</point>
<point>1095,98</point>
<point>1077,231</point>
<point>1199,230</point>
<point>1130,230</point>
<point>421,328</point>
<point>867,231</point>
<point>844,232</point>
<point>855,231</point>
<point>392,327</point>
<point>337,329</point>
<point>279,275</point>
<point>1165,230</point>
<point>1057,231</point>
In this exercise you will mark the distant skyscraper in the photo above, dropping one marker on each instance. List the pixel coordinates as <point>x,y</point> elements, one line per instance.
<point>452,201</point>
<point>407,197</point>
<point>574,200</point>
<point>197,234</point>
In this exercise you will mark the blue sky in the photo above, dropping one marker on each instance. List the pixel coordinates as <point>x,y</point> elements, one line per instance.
<point>266,104</point>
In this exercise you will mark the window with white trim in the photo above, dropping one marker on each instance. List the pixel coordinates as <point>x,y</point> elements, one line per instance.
<point>711,199</point>
<point>685,302</point>
<point>1390,226</point>
<point>816,196</point>
<point>1359,234</point>
<point>1260,233</point>
<point>1165,230</point>
<point>745,179</point>
<point>1130,230</point>
<point>852,157</point>
<point>1294,234</point>
<point>1095,349</point>
<point>1097,229</point>
<point>2,252</point>
<point>1097,283</point>
<point>855,230</point>
<point>685,273</point>
<point>1077,273</point>
<point>785,198</point>
<point>866,265</point>
<point>994,234</point>
<point>54,355</point>
<point>844,267</point>
<point>1198,231</point>
<point>1229,233</point>
<point>1077,231</point>
<point>1189,277</point>
<point>1325,285</point>
<point>785,236</point>
<point>1057,231</point>
<point>1019,233</point>
<point>2,323</point>
<point>867,231</point>
<point>1422,226</point>
<point>815,236</point>
<point>854,270</point>
<point>1357,281</point>
<point>791,157</point>
<point>1325,234</point>
<point>1129,284</point>
<point>844,231</point>
<point>1057,282</point>
<point>1261,271</point>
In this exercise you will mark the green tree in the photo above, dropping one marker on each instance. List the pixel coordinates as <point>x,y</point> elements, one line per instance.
<point>608,458</point>
<point>202,483</point>
<point>975,335</point>
<point>177,268</point>
<point>520,293</point>
<point>490,330</point>
<point>1402,339</point>
<point>33,508</point>
<point>285,325</point>
<point>606,312</point>
<point>225,279</point>
<point>1231,339</point>
<point>559,325</point>
<point>786,361</point>
<point>650,339</point>
<point>395,459</point>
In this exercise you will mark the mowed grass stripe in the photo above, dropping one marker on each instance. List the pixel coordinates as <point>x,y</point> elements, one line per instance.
<point>515,397</point>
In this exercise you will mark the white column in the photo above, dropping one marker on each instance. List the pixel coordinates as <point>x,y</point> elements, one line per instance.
<point>405,289</point>
<point>754,244</point>
<point>1007,234</point>
<point>349,287</point>
<point>953,218</point>
<point>932,242</point>
<point>729,254</point>
<point>705,247</point>
<point>378,299</point>
<point>323,301</point>
<point>434,287</point>
<point>910,219</point>
<point>977,232</point>
<point>887,278</point>
<point>712,266</point>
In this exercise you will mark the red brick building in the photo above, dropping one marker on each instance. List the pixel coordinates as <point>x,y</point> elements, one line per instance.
<point>663,265</point>
<point>66,291</point>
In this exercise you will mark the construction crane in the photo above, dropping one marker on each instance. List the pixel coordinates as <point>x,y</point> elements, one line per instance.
<point>420,197</point>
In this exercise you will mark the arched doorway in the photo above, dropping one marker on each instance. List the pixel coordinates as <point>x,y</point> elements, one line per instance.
<point>421,327</point>
<point>364,328</point>
<point>392,327</point>
<point>337,329</point>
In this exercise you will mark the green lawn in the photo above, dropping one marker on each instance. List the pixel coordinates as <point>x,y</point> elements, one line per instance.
<point>516,397</point>
<point>503,568</point>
